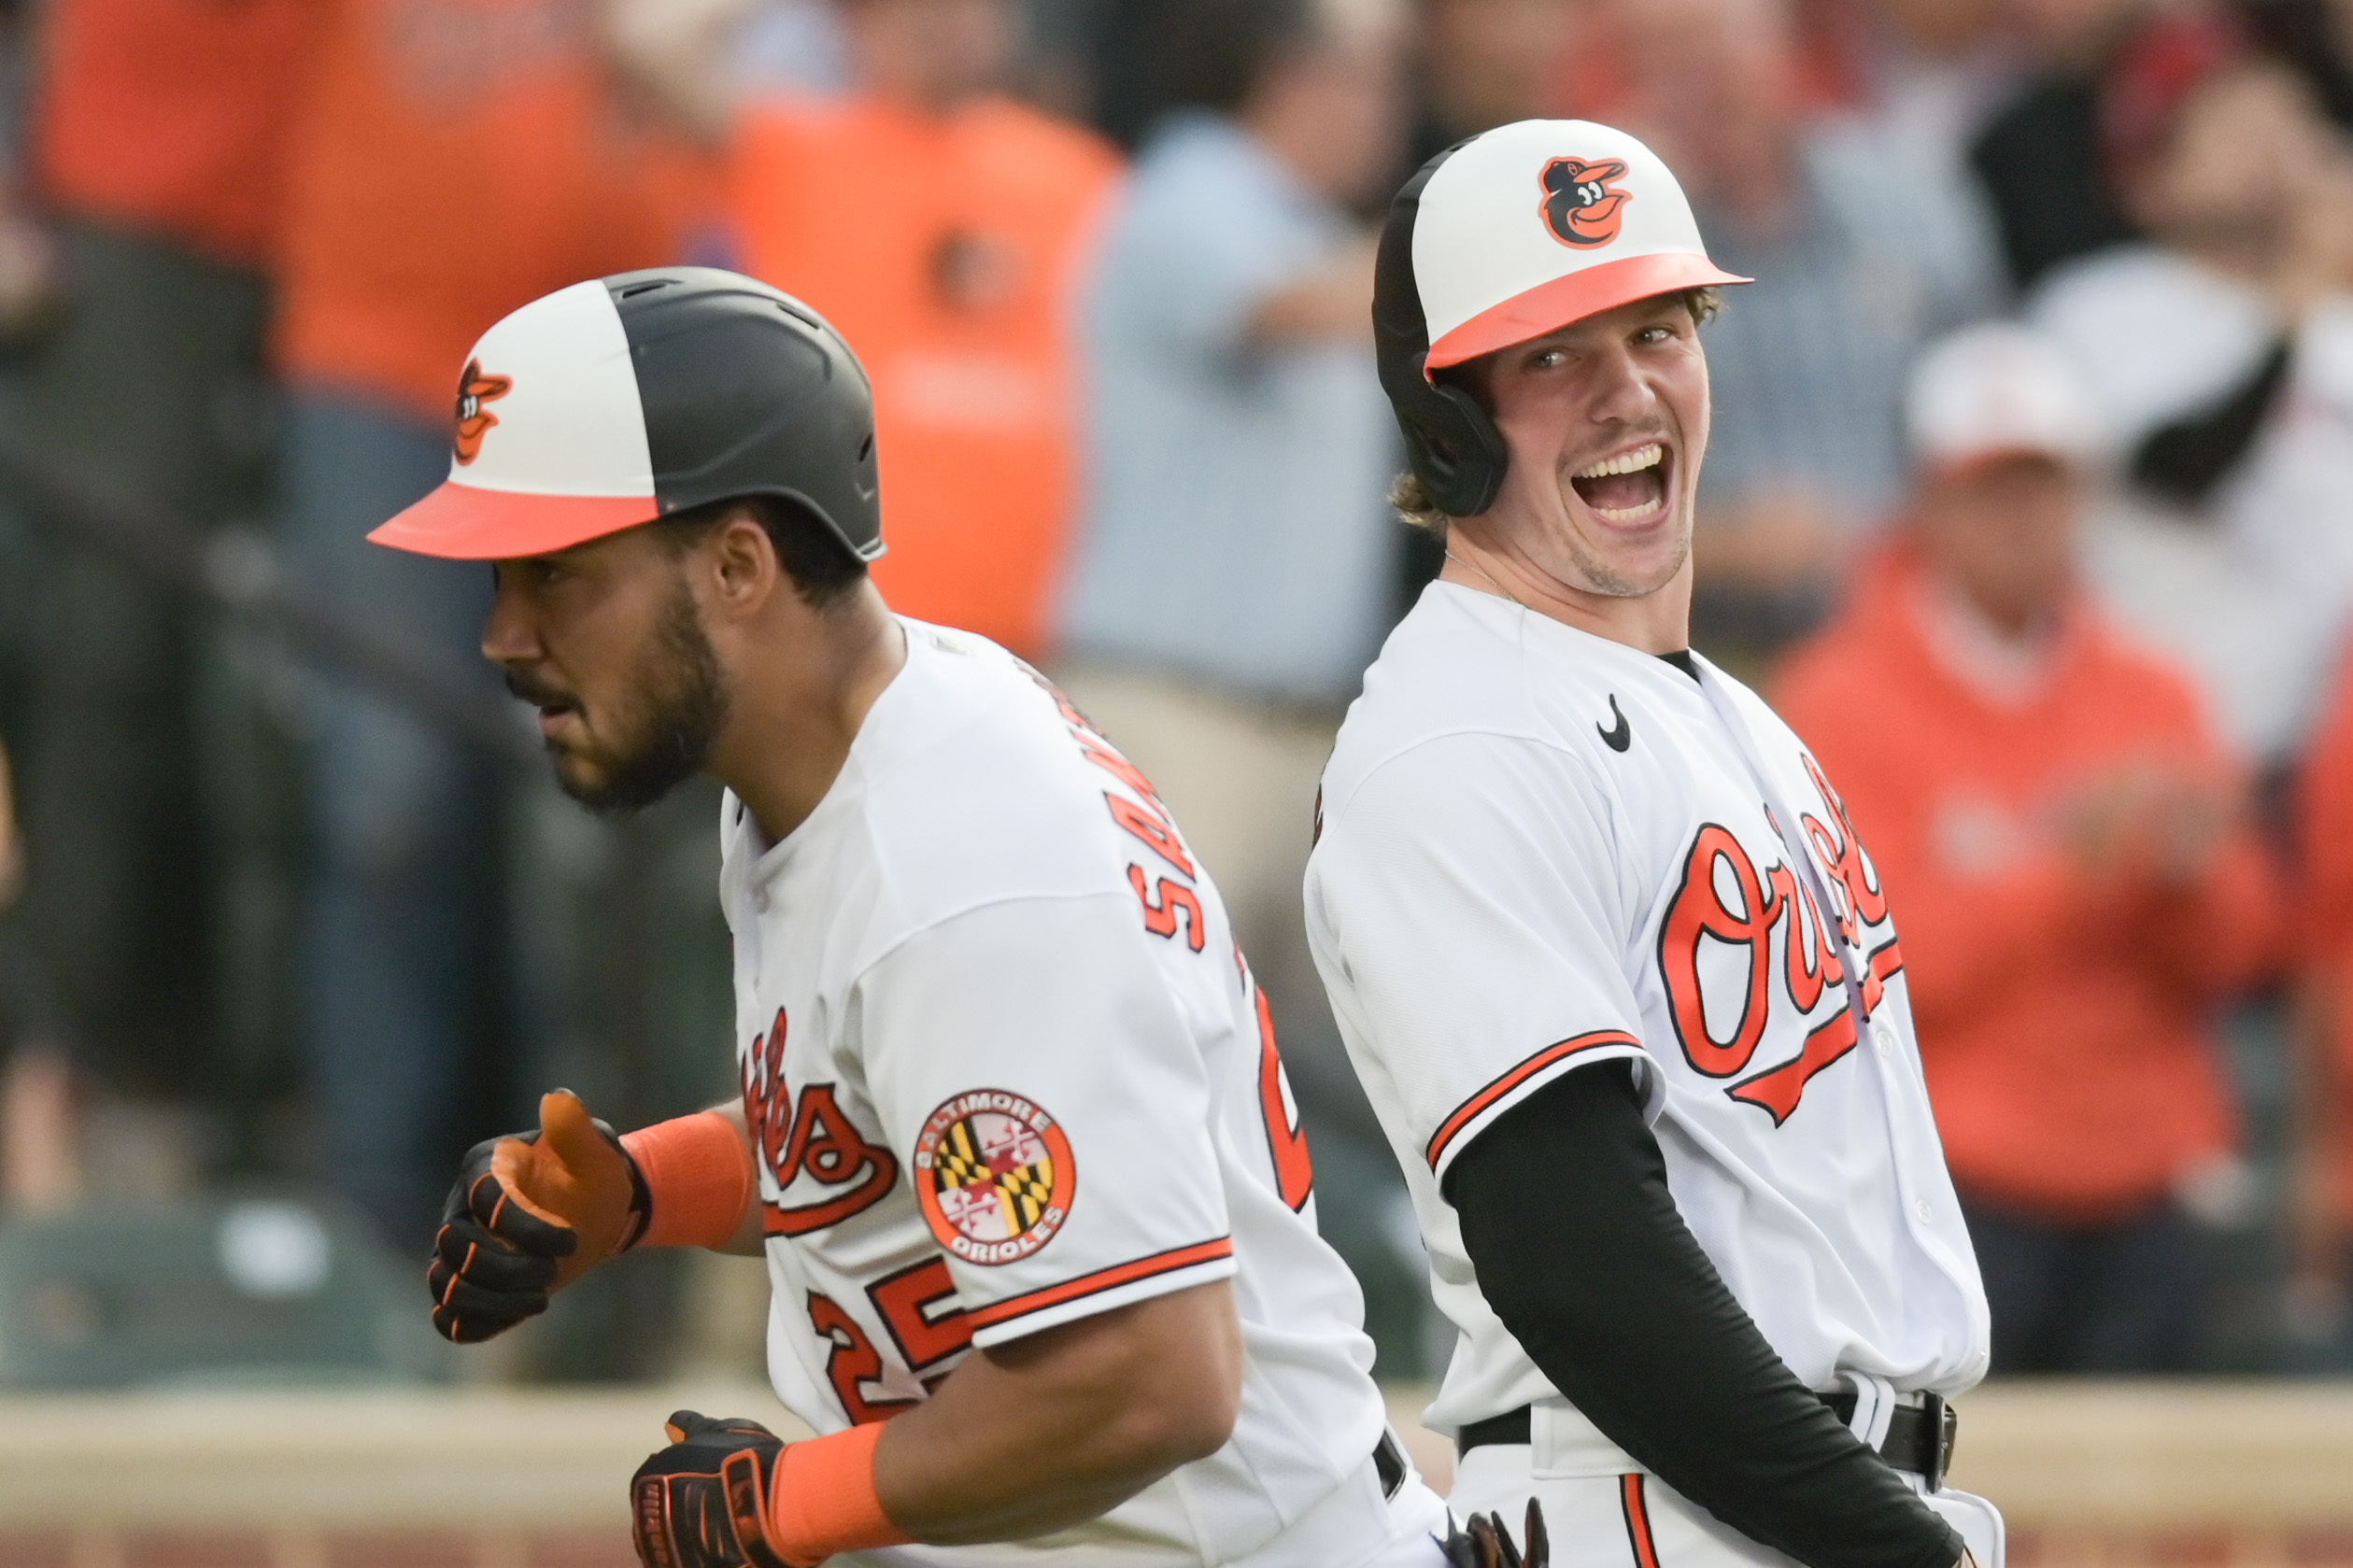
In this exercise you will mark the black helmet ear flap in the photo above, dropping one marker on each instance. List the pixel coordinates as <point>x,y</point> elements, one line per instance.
<point>1455,449</point>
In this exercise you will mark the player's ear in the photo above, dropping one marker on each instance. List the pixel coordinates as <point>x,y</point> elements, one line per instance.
<point>742,562</point>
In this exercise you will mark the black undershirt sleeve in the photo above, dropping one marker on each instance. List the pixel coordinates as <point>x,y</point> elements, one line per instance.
<point>1580,1249</point>
<point>2183,461</point>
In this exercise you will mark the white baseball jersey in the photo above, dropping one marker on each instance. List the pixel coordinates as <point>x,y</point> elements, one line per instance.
<point>1539,850</point>
<point>1005,1068</point>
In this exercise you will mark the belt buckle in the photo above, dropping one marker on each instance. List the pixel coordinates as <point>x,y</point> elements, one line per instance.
<point>1943,1425</point>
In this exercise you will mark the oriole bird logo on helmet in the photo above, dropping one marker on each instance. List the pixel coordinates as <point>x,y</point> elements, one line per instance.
<point>1578,206</point>
<point>475,388</point>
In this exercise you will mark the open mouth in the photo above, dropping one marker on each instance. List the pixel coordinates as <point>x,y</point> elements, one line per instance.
<point>553,705</point>
<point>1626,488</point>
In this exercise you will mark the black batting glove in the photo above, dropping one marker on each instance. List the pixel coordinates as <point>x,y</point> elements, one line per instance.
<point>702,1502</point>
<point>530,1213</point>
<point>493,1264</point>
<point>1487,1544</point>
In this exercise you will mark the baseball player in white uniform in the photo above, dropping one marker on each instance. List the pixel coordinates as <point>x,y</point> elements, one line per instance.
<point>1608,956</point>
<point>1013,1132</point>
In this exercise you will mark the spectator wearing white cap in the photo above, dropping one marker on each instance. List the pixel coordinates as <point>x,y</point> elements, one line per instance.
<point>2064,837</point>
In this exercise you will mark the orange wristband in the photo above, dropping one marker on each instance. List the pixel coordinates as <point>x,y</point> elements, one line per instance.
<point>823,1501</point>
<point>699,1182</point>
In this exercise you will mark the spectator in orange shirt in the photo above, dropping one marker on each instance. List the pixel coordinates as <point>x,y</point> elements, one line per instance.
<point>2065,843</point>
<point>156,139</point>
<point>942,227</point>
<point>456,160</point>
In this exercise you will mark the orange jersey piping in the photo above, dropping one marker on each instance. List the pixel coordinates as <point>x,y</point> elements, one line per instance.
<point>1470,1109</point>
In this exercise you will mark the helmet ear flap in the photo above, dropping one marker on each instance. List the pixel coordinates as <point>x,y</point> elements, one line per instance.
<point>1455,449</point>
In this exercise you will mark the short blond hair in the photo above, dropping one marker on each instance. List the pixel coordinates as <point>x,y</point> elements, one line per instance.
<point>1410,499</point>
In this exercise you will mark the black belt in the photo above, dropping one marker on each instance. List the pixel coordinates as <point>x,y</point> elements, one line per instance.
<point>1919,1437</point>
<point>1388,1462</point>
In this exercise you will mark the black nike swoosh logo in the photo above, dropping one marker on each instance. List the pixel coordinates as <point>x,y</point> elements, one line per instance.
<point>1621,736</point>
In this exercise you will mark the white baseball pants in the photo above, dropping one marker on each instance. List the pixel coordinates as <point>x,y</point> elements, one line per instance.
<point>1640,1522</point>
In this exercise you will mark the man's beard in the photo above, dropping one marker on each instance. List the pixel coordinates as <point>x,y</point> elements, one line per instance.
<point>664,735</point>
<point>1608,582</point>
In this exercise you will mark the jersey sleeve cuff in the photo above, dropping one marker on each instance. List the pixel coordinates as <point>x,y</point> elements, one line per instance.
<point>1122,1284</point>
<point>1524,1078</point>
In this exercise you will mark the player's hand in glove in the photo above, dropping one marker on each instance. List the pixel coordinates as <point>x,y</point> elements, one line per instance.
<point>530,1213</point>
<point>1486,1544</point>
<point>703,1500</point>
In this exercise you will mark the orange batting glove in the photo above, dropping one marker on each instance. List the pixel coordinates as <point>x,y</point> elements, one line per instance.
<point>530,1213</point>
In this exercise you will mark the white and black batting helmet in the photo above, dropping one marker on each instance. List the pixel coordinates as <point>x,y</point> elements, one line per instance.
<point>1511,235</point>
<point>616,401</point>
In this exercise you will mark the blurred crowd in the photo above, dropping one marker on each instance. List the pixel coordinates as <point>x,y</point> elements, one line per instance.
<point>2030,500</point>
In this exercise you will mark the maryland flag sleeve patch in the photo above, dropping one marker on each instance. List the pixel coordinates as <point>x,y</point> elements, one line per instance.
<point>994,1174</point>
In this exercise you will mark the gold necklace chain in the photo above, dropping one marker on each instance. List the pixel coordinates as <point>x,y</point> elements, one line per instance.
<point>1464,560</point>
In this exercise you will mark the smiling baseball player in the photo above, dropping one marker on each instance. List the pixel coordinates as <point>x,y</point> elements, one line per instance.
<point>1013,1132</point>
<point>1615,969</point>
